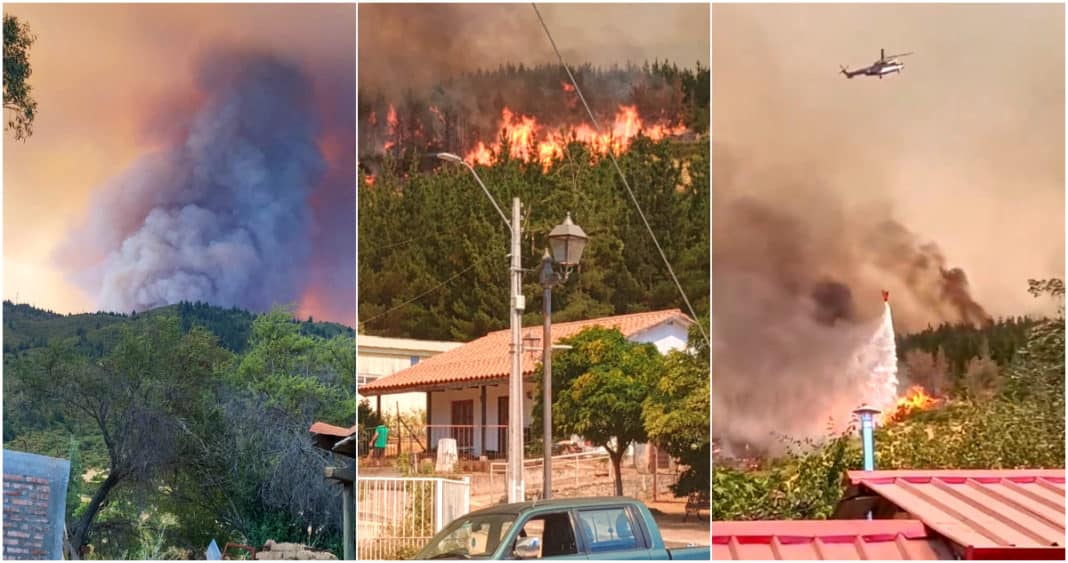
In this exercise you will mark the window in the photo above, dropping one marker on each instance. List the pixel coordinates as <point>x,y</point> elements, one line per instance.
<point>471,538</point>
<point>555,531</point>
<point>608,529</point>
<point>415,360</point>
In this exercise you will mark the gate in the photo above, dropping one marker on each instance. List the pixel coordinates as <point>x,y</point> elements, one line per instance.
<point>397,516</point>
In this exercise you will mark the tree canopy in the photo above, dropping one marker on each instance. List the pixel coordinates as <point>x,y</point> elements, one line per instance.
<point>18,94</point>
<point>599,386</point>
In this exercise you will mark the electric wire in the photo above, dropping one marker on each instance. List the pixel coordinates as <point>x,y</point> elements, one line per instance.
<point>626,184</point>
<point>421,295</point>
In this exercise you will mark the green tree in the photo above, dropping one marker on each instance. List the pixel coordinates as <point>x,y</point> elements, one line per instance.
<point>599,387</point>
<point>676,415</point>
<point>18,94</point>
<point>144,399</point>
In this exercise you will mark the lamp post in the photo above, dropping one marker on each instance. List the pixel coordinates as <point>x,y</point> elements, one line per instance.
<point>567,241</point>
<point>866,414</point>
<point>514,470</point>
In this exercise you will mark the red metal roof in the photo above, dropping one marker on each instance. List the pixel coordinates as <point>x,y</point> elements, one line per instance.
<point>826,539</point>
<point>982,511</point>
<point>488,358</point>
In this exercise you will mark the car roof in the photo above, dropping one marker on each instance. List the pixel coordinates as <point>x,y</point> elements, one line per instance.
<point>563,503</point>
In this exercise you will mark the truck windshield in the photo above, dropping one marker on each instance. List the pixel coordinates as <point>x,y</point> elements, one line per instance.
<point>469,538</point>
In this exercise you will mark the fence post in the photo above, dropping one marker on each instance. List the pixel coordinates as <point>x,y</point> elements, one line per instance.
<point>439,487</point>
<point>467,494</point>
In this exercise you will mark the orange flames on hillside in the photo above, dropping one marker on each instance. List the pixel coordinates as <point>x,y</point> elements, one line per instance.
<point>529,141</point>
<point>914,400</point>
<point>391,122</point>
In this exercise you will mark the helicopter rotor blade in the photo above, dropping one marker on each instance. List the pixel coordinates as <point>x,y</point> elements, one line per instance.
<point>899,55</point>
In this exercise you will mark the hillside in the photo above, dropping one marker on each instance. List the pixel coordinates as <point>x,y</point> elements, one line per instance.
<point>27,327</point>
<point>166,416</point>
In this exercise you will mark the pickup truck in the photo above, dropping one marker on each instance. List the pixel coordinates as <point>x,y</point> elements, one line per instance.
<point>616,528</point>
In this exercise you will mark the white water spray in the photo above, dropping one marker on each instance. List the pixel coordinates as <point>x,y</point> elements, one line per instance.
<point>878,360</point>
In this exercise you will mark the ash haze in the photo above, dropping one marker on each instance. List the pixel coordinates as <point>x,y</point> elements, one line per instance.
<point>944,185</point>
<point>186,152</point>
<point>410,46</point>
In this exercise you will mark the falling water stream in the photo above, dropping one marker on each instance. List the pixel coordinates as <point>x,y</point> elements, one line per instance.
<point>879,360</point>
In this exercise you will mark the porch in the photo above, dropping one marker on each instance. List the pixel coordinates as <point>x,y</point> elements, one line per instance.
<point>476,416</point>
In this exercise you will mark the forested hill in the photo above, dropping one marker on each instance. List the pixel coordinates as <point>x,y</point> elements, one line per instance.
<point>433,250</point>
<point>27,327</point>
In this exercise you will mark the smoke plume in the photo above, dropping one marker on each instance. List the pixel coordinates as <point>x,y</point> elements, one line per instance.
<point>828,190</point>
<point>225,211</point>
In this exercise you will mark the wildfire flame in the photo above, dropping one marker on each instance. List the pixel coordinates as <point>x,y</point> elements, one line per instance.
<point>528,141</point>
<point>914,400</point>
<point>391,121</point>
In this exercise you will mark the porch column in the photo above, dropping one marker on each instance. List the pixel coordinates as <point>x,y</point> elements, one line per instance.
<point>482,419</point>
<point>429,421</point>
<point>378,405</point>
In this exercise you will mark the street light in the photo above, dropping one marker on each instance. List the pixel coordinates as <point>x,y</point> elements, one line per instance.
<point>567,241</point>
<point>514,470</point>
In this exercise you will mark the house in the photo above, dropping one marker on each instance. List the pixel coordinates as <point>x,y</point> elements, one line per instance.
<point>918,514</point>
<point>378,357</point>
<point>466,388</point>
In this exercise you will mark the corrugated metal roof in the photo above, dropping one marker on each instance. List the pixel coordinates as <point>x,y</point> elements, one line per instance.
<point>976,509</point>
<point>826,539</point>
<point>488,357</point>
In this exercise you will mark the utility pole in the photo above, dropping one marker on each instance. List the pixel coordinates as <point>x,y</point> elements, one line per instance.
<point>516,489</point>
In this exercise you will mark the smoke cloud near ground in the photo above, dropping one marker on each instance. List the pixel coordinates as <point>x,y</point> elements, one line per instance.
<point>944,185</point>
<point>229,210</point>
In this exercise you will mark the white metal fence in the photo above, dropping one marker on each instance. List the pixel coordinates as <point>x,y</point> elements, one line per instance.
<point>397,516</point>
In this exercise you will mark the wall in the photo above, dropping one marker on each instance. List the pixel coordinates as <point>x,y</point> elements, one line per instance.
<point>35,498</point>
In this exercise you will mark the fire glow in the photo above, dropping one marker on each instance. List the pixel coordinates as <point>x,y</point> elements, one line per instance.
<point>914,400</point>
<point>529,141</point>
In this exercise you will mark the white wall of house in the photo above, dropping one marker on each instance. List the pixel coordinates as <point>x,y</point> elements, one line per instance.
<point>668,336</point>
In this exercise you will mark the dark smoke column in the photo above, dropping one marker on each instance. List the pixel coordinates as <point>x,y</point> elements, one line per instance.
<point>220,215</point>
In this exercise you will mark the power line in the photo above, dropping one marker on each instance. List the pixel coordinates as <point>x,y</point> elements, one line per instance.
<point>421,295</point>
<point>626,184</point>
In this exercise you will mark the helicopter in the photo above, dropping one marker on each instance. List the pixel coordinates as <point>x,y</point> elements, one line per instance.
<point>885,65</point>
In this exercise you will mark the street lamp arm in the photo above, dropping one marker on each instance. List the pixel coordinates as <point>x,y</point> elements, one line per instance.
<point>490,196</point>
<point>449,157</point>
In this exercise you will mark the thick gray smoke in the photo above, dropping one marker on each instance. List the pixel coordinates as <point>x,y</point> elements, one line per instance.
<point>221,213</point>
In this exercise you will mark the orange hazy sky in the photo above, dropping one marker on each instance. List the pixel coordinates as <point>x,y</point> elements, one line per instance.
<point>100,73</point>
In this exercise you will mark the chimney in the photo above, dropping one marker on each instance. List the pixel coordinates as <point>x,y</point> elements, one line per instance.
<point>866,414</point>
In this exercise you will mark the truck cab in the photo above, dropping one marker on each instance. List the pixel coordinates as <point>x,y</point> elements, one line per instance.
<point>613,528</point>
